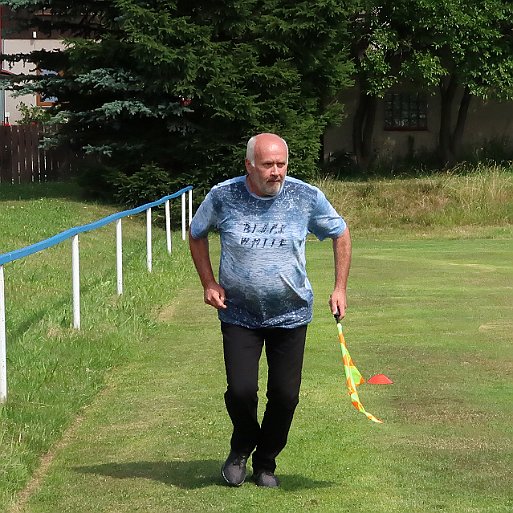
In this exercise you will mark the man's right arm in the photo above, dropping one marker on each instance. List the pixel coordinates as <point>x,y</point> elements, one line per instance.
<point>213,293</point>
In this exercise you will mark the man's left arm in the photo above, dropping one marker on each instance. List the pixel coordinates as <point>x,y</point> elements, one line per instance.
<point>342,256</point>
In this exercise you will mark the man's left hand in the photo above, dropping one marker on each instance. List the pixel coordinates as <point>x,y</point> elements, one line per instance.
<point>338,303</point>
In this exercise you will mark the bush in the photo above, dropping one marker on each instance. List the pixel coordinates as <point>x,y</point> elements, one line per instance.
<point>144,186</point>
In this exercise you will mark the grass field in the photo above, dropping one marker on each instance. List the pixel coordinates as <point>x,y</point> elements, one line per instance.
<point>430,308</point>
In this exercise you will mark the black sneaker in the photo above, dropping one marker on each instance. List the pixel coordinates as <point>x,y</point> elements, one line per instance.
<point>266,478</point>
<point>234,469</point>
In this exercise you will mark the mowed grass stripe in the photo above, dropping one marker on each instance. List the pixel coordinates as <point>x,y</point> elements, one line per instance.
<point>53,370</point>
<point>429,314</point>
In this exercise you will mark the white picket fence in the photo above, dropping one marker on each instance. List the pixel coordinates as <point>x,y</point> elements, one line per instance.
<point>73,234</point>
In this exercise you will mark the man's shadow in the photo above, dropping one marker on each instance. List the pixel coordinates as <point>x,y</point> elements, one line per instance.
<point>187,474</point>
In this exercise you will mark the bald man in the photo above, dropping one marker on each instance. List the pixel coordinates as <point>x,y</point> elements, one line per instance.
<point>263,296</point>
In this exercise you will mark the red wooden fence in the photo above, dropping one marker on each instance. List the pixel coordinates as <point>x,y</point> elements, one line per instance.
<point>23,161</point>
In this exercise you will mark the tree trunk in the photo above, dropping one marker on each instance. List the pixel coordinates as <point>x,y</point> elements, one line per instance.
<point>363,127</point>
<point>447,95</point>
<point>450,138</point>
<point>457,135</point>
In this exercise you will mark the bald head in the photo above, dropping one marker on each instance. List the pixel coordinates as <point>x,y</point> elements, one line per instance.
<point>266,164</point>
<point>264,139</point>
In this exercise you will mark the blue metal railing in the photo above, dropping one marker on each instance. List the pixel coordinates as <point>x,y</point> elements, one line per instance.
<point>73,233</point>
<point>68,234</point>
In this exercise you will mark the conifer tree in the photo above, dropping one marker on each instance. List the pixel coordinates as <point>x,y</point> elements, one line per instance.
<point>183,84</point>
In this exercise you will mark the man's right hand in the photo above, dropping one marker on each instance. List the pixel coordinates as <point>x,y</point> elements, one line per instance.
<point>214,295</point>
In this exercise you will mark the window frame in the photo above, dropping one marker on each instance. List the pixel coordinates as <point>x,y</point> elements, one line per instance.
<point>39,101</point>
<point>405,111</point>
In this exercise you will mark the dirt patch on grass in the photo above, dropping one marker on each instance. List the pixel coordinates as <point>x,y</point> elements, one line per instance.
<point>187,307</point>
<point>167,313</point>
<point>457,443</point>
<point>445,414</point>
<point>497,327</point>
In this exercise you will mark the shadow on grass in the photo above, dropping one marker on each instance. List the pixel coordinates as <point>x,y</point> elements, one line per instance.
<point>187,474</point>
<point>33,191</point>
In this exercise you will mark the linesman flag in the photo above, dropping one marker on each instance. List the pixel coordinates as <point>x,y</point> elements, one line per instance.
<point>353,376</point>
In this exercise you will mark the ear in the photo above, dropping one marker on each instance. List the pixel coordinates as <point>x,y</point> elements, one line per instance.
<point>249,167</point>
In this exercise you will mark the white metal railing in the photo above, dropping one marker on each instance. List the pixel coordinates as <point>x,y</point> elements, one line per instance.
<point>73,234</point>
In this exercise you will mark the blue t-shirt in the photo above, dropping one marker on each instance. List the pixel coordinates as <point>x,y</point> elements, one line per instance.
<point>262,266</point>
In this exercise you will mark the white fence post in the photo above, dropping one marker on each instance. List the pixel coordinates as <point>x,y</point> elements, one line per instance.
<point>168,227</point>
<point>75,265</point>
<point>3,346</point>
<point>183,216</point>
<point>149,258</point>
<point>119,257</point>
<point>75,271</point>
<point>190,207</point>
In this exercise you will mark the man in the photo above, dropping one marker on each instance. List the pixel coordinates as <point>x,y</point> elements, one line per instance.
<point>263,295</point>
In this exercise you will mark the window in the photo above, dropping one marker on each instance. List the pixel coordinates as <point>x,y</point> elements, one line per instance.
<point>405,111</point>
<point>44,12</point>
<point>46,101</point>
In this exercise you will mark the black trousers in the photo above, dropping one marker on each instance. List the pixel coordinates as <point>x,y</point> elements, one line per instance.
<point>284,350</point>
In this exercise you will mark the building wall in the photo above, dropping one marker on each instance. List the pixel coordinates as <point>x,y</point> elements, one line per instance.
<point>487,120</point>
<point>24,46</point>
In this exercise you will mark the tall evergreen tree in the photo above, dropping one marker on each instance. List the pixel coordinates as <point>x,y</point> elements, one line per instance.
<point>183,84</point>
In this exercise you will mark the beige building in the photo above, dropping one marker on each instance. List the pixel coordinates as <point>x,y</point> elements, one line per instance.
<point>11,106</point>
<point>408,123</point>
<point>13,41</point>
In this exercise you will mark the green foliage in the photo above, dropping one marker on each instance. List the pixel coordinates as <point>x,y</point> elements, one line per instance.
<point>184,85</point>
<point>144,186</point>
<point>496,149</point>
<point>470,39</point>
<point>426,40</point>
<point>439,47</point>
<point>96,180</point>
<point>33,114</point>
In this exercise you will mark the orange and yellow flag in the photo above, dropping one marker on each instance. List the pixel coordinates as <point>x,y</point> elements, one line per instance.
<point>353,376</point>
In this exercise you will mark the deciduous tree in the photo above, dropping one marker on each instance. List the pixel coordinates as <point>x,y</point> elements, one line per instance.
<point>459,48</point>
